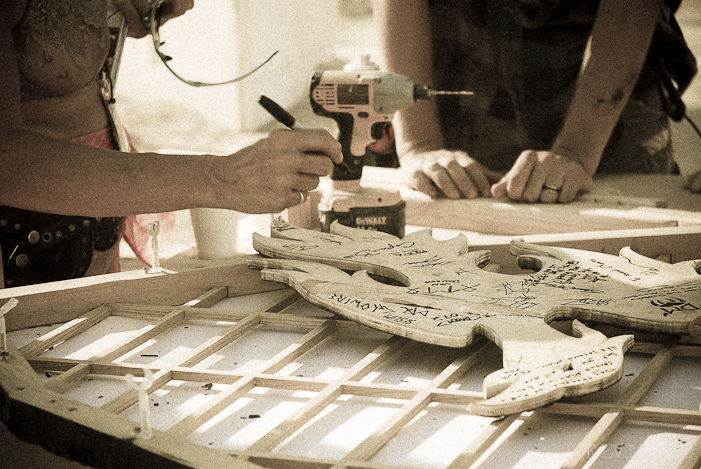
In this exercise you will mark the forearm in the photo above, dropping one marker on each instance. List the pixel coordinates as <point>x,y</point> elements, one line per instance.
<point>619,43</point>
<point>49,175</point>
<point>405,33</point>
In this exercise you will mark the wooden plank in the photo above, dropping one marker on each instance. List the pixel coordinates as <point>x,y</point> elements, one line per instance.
<point>631,190</point>
<point>680,244</point>
<point>501,217</point>
<point>615,203</point>
<point>68,299</point>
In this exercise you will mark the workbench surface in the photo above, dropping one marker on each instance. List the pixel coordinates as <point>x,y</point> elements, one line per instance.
<point>333,403</point>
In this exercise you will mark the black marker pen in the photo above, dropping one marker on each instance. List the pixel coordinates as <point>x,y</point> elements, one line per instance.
<point>287,119</point>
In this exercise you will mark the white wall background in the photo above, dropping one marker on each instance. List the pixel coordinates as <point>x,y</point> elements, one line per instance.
<point>220,39</point>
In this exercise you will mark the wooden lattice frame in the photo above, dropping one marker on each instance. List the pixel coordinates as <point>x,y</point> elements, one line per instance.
<point>40,413</point>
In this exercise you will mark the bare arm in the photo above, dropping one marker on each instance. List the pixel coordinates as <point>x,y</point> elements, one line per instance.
<point>405,31</point>
<point>406,45</point>
<point>619,43</point>
<point>41,173</point>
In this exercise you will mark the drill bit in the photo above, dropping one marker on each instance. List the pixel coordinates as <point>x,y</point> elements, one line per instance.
<point>455,93</point>
<point>426,92</point>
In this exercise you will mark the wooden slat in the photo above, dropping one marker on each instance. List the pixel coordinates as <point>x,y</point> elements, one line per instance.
<point>69,379</point>
<point>389,429</point>
<point>295,350</point>
<point>486,438</point>
<point>692,460</point>
<point>640,413</point>
<point>209,298</point>
<point>224,399</point>
<point>162,377</point>
<point>66,331</point>
<point>221,401</point>
<point>313,407</point>
<point>273,319</point>
<point>65,381</point>
<point>220,341</point>
<point>147,333</point>
<point>282,303</point>
<point>608,423</point>
<point>381,436</point>
<point>330,393</point>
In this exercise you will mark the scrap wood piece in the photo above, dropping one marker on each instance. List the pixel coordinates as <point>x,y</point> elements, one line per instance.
<point>437,292</point>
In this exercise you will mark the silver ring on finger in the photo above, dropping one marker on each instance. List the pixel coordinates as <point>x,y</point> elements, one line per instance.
<point>302,197</point>
<point>551,188</point>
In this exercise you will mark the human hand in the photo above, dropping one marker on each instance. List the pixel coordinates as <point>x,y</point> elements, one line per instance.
<point>446,173</point>
<point>135,10</point>
<point>276,172</point>
<point>543,176</point>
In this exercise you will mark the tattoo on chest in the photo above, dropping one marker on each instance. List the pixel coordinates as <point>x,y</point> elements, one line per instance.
<point>66,36</point>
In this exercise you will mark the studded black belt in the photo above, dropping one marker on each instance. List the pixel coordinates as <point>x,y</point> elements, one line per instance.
<point>41,247</point>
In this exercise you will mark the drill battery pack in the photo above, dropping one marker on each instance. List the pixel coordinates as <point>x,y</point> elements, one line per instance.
<point>388,219</point>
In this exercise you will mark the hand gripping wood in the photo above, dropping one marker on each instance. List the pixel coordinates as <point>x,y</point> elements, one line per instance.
<point>437,292</point>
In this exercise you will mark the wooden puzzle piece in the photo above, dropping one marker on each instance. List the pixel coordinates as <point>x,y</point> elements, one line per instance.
<point>437,292</point>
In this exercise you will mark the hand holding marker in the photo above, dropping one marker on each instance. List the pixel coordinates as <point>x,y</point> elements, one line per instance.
<point>287,119</point>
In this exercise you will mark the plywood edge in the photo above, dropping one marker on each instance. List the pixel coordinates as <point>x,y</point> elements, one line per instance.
<point>55,302</point>
<point>672,244</point>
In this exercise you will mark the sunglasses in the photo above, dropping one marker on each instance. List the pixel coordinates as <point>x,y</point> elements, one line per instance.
<point>153,23</point>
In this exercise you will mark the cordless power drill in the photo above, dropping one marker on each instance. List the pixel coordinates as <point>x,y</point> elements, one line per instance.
<point>363,102</point>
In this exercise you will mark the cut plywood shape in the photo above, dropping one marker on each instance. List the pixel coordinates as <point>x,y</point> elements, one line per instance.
<point>437,292</point>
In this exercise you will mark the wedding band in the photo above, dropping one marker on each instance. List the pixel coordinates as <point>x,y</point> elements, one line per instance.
<point>302,197</point>
<point>551,188</point>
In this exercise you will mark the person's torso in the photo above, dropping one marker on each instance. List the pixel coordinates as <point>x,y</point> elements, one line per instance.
<point>61,47</point>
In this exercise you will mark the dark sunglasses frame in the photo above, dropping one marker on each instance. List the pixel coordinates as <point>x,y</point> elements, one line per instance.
<point>153,23</point>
